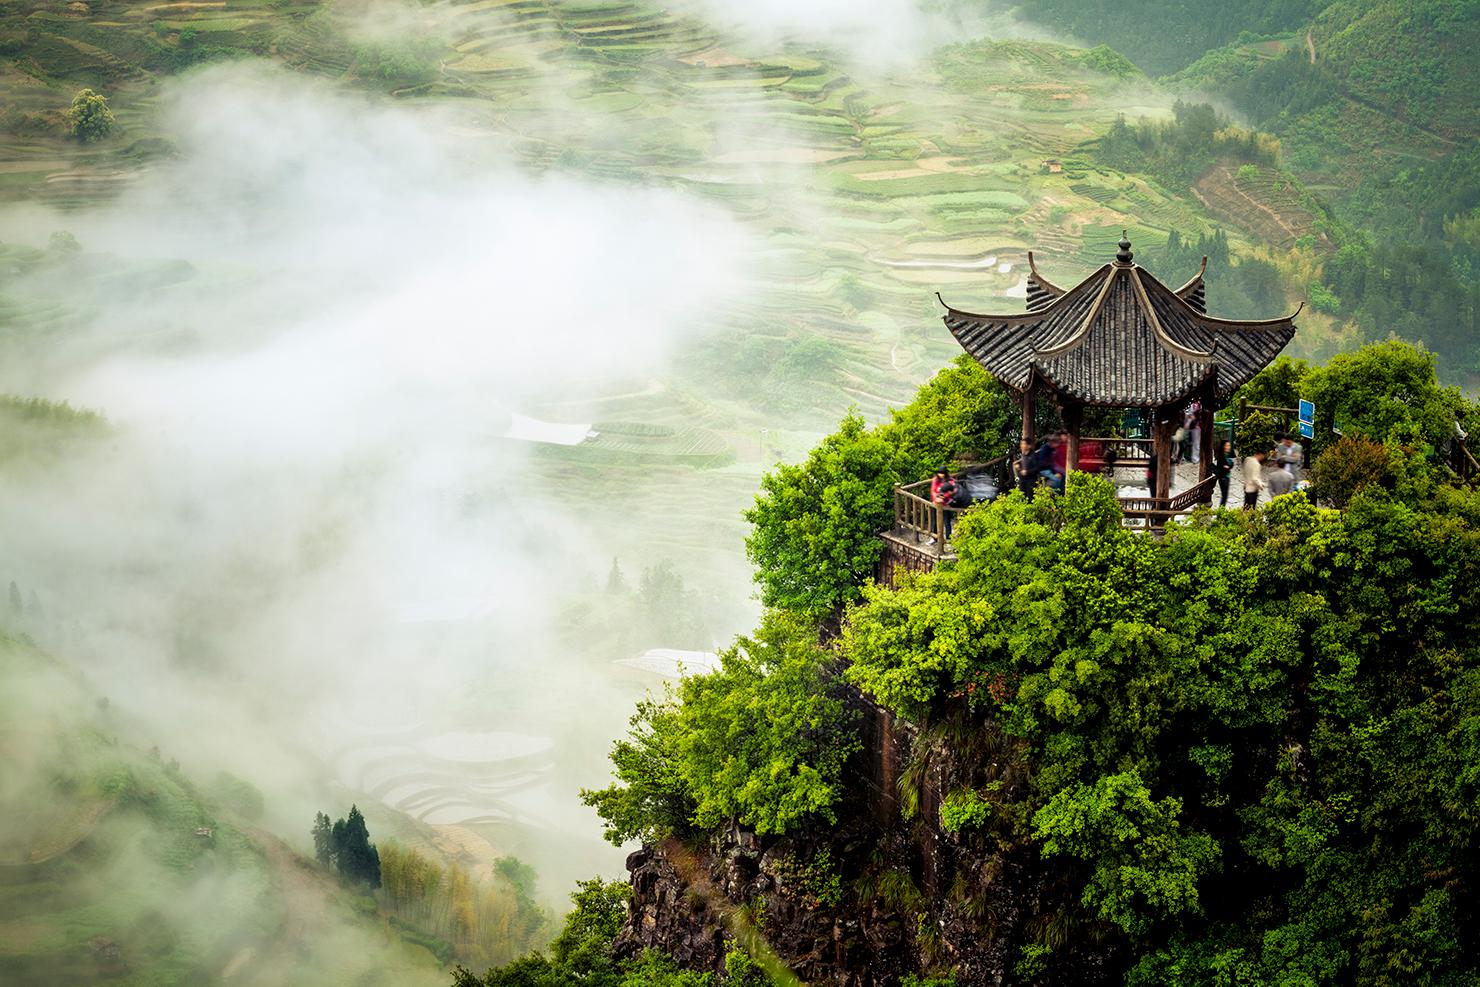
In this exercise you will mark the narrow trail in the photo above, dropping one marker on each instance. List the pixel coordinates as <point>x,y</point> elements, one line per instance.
<point>1227,175</point>
<point>1310,46</point>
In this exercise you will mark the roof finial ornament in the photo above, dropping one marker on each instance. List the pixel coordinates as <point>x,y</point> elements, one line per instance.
<point>1124,256</point>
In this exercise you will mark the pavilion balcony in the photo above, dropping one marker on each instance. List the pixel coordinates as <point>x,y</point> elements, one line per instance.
<point>918,539</point>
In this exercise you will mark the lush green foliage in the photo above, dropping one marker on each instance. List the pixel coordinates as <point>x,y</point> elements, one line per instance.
<point>762,740</point>
<point>964,809</point>
<point>1348,465</point>
<point>1279,385</point>
<point>88,118</point>
<point>1178,150</point>
<point>1282,707</point>
<point>582,953</point>
<point>816,524</point>
<point>1144,866</point>
<point>1182,31</point>
<point>1385,389</point>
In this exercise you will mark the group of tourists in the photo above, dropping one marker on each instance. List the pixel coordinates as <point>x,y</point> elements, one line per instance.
<point>1187,440</point>
<point>1283,476</point>
<point>1047,462</point>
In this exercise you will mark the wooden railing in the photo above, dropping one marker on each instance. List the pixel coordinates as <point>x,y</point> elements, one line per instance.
<point>915,513</point>
<point>1116,451</point>
<point>1155,511</point>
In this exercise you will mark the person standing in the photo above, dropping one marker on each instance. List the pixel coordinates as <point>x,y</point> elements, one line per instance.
<point>1280,481</point>
<point>1290,454</point>
<point>1027,467</point>
<point>1223,466</point>
<point>1253,479</point>
<point>1060,467</point>
<point>943,496</point>
<point>1192,422</point>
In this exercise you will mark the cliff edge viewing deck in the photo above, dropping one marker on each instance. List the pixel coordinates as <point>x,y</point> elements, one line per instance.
<point>1120,339</point>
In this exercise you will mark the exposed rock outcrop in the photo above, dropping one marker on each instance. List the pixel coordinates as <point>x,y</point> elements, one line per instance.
<point>866,901</point>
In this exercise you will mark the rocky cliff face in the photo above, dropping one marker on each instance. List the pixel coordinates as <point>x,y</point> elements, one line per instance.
<point>869,900</point>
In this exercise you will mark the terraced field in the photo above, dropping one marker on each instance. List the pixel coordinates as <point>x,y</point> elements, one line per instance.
<point>868,194</point>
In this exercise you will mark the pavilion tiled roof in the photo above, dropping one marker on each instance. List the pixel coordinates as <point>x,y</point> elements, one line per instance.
<point>1120,338</point>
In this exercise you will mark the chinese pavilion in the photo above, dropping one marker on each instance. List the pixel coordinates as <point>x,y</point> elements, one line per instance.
<point>1118,339</point>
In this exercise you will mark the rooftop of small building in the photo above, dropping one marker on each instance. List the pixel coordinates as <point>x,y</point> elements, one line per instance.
<point>1120,338</point>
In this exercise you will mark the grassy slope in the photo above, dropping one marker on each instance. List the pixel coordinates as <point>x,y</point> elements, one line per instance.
<point>105,876</point>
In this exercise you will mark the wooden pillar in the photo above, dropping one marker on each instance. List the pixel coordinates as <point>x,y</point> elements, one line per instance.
<point>1164,425</point>
<point>1072,415</point>
<point>1205,421</point>
<point>1028,409</point>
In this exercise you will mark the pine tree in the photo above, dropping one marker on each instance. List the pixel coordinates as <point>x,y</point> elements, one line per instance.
<point>323,840</point>
<point>615,582</point>
<point>353,852</point>
<point>16,604</point>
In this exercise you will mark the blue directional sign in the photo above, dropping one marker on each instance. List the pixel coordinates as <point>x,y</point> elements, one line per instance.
<point>1307,411</point>
<point>1307,430</point>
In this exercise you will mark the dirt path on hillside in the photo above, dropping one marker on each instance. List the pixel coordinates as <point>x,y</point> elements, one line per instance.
<point>1228,178</point>
<point>1310,46</point>
<point>301,889</point>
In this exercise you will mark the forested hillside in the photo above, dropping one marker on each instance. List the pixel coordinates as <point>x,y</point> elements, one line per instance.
<point>1183,32</point>
<point>1374,107</point>
<point>393,392</point>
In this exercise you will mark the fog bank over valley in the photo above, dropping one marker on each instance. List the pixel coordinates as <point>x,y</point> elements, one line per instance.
<point>305,552</point>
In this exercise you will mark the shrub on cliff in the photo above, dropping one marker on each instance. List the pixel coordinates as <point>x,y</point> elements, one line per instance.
<point>815,525</point>
<point>762,740</point>
<point>582,953</point>
<point>1246,751</point>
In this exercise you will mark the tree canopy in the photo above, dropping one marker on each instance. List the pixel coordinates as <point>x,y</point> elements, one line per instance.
<point>815,525</point>
<point>89,119</point>
<point>763,740</point>
<point>345,845</point>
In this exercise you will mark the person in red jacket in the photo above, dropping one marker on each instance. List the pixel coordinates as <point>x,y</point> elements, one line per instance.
<point>943,495</point>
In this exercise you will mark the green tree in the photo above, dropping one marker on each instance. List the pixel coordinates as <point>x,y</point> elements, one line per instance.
<point>616,583</point>
<point>350,848</point>
<point>763,740</point>
<point>89,118</point>
<point>1279,385</point>
<point>1384,389</point>
<point>323,840</point>
<point>961,413</point>
<point>582,953</point>
<point>1144,867</point>
<point>1241,749</point>
<point>815,526</point>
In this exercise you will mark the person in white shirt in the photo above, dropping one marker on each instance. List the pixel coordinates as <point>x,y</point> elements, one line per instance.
<point>1290,455</point>
<point>1253,478</point>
